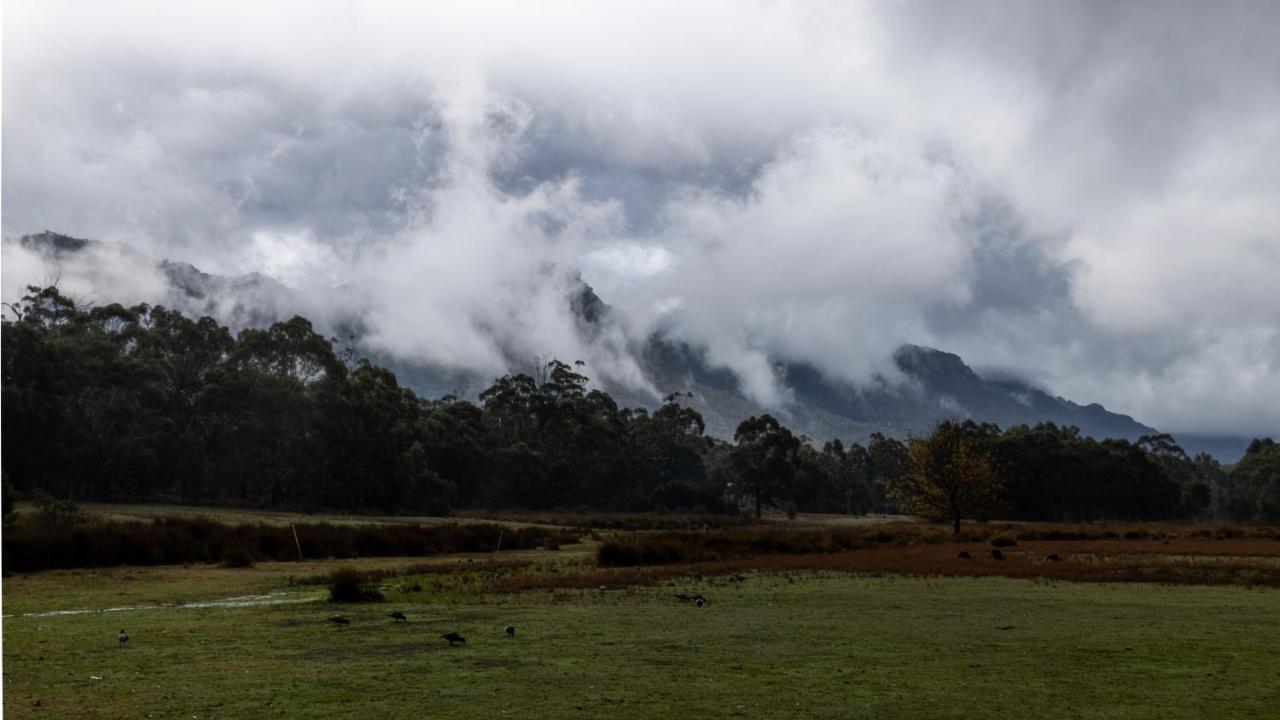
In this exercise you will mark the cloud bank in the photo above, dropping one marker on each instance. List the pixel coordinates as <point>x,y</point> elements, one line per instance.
<point>1080,194</point>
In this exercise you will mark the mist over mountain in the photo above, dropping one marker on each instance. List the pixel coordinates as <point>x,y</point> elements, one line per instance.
<point>1075,196</point>
<point>929,385</point>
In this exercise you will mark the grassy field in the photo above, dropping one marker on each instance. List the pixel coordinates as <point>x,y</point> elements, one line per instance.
<point>778,644</point>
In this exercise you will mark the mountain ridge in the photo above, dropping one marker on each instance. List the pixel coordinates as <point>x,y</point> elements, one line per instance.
<point>938,385</point>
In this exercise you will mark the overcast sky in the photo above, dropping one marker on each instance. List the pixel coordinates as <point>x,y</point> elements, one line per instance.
<point>1086,195</point>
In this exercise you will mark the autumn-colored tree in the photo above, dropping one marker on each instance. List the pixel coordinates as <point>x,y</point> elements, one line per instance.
<point>952,474</point>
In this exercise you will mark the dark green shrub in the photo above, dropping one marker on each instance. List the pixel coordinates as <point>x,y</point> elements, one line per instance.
<point>238,557</point>
<point>351,585</point>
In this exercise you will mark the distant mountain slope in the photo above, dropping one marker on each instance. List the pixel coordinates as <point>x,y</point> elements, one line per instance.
<point>249,300</point>
<point>939,384</point>
<point>940,387</point>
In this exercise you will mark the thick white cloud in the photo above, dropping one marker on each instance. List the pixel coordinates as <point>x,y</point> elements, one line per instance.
<point>1082,193</point>
<point>101,274</point>
<point>830,256</point>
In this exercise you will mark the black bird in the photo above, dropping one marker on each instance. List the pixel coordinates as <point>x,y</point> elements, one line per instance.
<point>397,616</point>
<point>123,637</point>
<point>1054,557</point>
<point>699,602</point>
<point>454,637</point>
<point>996,554</point>
<point>964,555</point>
<point>511,631</point>
<point>416,587</point>
<point>339,620</point>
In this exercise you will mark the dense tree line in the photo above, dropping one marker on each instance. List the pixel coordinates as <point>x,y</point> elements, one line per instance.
<point>113,402</point>
<point>142,403</point>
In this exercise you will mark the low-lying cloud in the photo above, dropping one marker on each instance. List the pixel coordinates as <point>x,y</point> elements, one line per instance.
<point>1080,194</point>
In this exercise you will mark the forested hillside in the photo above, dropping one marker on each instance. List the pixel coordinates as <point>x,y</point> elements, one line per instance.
<point>929,384</point>
<point>143,403</point>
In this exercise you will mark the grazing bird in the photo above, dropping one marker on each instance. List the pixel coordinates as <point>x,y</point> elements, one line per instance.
<point>416,587</point>
<point>339,620</point>
<point>511,631</point>
<point>1053,557</point>
<point>964,555</point>
<point>699,602</point>
<point>996,554</point>
<point>123,637</point>
<point>397,616</point>
<point>454,637</point>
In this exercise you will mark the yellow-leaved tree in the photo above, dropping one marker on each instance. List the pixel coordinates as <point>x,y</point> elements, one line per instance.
<point>952,475</point>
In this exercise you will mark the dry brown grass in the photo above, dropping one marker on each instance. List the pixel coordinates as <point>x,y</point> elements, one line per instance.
<point>1173,554</point>
<point>1221,562</point>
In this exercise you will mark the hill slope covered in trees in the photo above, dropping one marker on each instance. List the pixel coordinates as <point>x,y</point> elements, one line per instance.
<point>932,385</point>
<point>144,403</point>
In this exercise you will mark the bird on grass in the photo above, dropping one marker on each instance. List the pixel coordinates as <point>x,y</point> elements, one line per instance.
<point>397,616</point>
<point>339,620</point>
<point>123,637</point>
<point>699,602</point>
<point>996,554</point>
<point>454,637</point>
<point>1053,557</point>
<point>511,631</point>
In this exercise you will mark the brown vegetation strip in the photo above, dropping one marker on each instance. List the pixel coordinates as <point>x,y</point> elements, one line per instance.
<point>676,547</point>
<point>30,546</point>
<point>1207,562</point>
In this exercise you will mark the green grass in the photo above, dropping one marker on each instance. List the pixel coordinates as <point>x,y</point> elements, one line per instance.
<point>774,646</point>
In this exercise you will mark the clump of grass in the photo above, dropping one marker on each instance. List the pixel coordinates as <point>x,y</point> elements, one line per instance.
<point>351,585</point>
